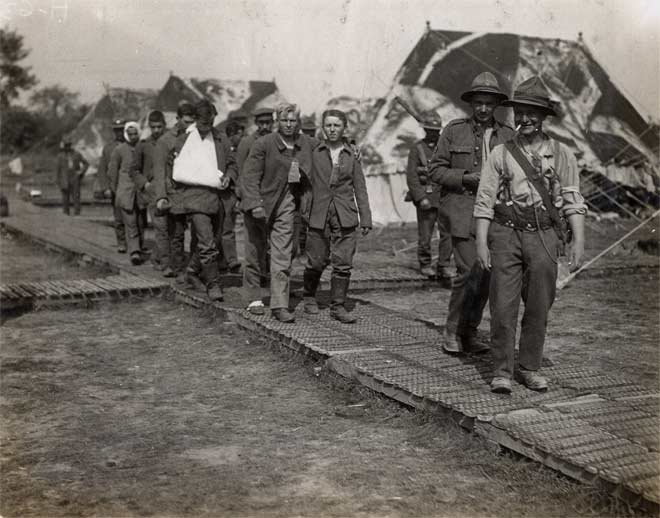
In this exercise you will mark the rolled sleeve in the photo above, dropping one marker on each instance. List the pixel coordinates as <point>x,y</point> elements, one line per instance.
<point>569,179</point>
<point>484,203</point>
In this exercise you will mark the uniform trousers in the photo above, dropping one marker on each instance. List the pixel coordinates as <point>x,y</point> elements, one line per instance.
<point>72,195</point>
<point>426,222</point>
<point>120,229</point>
<point>204,253</point>
<point>161,252</point>
<point>176,232</point>
<point>256,256</point>
<point>524,265</point>
<point>333,245</point>
<point>133,223</point>
<point>226,236</point>
<point>280,237</point>
<point>469,290</point>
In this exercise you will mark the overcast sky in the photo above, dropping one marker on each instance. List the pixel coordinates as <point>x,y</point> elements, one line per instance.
<point>314,49</point>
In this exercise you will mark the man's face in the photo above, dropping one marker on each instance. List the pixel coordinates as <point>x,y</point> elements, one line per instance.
<point>483,107</point>
<point>186,120</point>
<point>236,137</point>
<point>264,124</point>
<point>204,126</point>
<point>333,127</point>
<point>119,133</point>
<point>529,119</point>
<point>157,129</point>
<point>133,135</point>
<point>288,124</point>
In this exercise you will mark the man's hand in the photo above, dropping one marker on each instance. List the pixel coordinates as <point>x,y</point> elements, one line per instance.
<point>163,204</point>
<point>107,193</point>
<point>258,213</point>
<point>471,181</point>
<point>146,186</point>
<point>575,254</point>
<point>425,204</point>
<point>224,182</point>
<point>365,230</point>
<point>483,255</point>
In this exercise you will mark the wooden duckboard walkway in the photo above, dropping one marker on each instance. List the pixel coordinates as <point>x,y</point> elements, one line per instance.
<point>596,427</point>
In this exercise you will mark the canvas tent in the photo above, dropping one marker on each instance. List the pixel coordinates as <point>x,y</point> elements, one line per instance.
<point>598,121</point>
<point>226,95</point>
<point>95,129</point>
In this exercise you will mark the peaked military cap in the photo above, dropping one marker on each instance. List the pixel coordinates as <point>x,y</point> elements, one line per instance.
<point>118,123</point>
<point>430,120</point>
<point>260,112</point>
<point>532,92</point>
<point>485,83</point>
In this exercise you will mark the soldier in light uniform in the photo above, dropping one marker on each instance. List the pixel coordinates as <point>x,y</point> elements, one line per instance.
<point>463,148</point>
<point>528,196</point>
<point>425,194</point>
<point>104,184</point>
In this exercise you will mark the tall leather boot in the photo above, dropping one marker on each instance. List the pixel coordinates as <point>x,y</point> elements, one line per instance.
<point>211,278</point>
<point>311,279</point>
<point>338,289</point>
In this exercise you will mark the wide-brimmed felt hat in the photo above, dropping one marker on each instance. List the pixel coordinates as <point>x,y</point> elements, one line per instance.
<point>430,120</point>
<point>484,83</point>
<point>308,123</point>
<point>532,92</point>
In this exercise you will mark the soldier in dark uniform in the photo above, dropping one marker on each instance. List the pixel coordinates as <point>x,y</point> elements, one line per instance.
<point>143,177</point>
<point>526,187</point>
<point>464,146</point>
<point>71,167</point>
<point>225,238</point>
<point>425,194</point>
<point>338,195</point>
<point>104,183</point>
<point>256,267</point>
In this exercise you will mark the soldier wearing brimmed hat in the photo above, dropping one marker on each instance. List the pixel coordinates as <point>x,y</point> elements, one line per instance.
<point>529,188</point>
<point>104,182</point>
<point>425,194</point>
<point>463,148</point>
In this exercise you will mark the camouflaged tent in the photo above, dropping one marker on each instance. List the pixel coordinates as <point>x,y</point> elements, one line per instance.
<point>610,137</point>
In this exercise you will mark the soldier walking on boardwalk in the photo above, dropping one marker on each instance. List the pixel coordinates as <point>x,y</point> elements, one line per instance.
<point>104,184</point>
<point>425,195</point>
<point>337,186</point>
<point>528,198</point>
<point>463,148</point>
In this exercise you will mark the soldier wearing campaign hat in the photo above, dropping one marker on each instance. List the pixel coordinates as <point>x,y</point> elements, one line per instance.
<point>463,148</point>
<point>527,199</point>
<point>103,187</point>
<point>425,194</point>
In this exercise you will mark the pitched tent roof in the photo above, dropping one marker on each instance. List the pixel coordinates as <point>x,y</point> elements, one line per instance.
<point>95,129</point>
<point>226,95</point>
<point>599,122</point>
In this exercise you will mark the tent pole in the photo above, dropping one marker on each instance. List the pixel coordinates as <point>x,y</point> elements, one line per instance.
<point>586,265</point>
<point>617,203</point>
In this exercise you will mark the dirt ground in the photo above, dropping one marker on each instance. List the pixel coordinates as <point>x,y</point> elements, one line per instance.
<point>150,408</point>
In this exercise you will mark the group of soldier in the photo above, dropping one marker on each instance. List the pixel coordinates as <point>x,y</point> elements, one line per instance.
<point>502,200</point>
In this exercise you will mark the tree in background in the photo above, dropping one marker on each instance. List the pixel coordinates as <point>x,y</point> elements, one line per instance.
<point>59,110</point>
<point>13,77</point>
